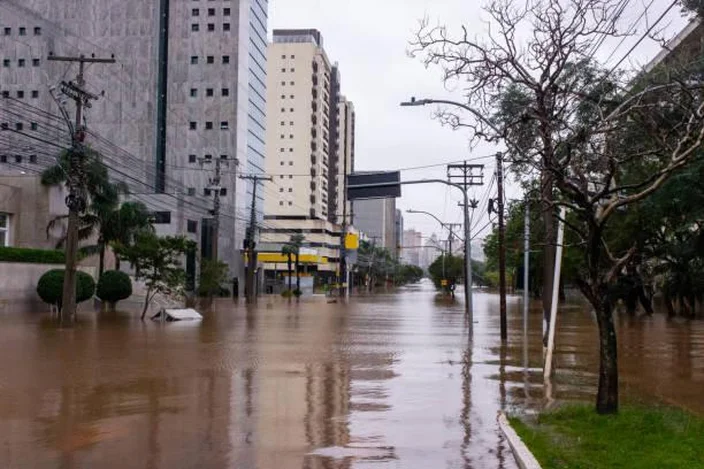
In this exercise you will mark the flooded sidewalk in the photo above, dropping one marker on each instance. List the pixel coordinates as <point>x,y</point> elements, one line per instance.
<point>392,380</point>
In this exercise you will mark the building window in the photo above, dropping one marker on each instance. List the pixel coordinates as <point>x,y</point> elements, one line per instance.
<point>290,163</point>
<point>211,11</point>
<point>21,62</point>
<point>191,191</point>
<point>208,157</point>
<point>195,27</point>
<point>19,126</point>
<point>290,203</point>
<point>281,202</point>
<point>293,70</point>
<point>209,92</point>
<point>283,96</point>
<point>194,60</point>
<point>223,192</point>
<point>192,225</point>
<point>33,126</point>
<point>8,31</point>
<point>35,94</point>
<point>37,31</point>
<point>290,176</point>
<point>211,27</point>
<point>290,150</point>
<point>194,92</point>
<point>293,56</point>
<point>292,83</point>
<point>290,136</point>
<point>291,96</point>
<point>20,94</point>
<point>225,91</point>
<point>35,62</point>
<point>283,110</point>
<point>224,125</point>
<point>281,189</point>
<point>192,126</point>
<point>6,62</point>
<point>283,83</point>
<point>208,126</point>
<point>225,12</point>
<point>223,157</point>
<point>210,59</point>
<point>191,158</point>
<point>291,109</point>
<point>283,70</point>
<point>23,31</point>
<point>33,159</point>
<point>206,192</point>
<point>290,189</point>
<point>225,59</point>
<point>226,27</point>
<point>18,158</point>
<point>162,218</point>
<point>283,136</point>
<point>283,56</point>
<point>195,12</point>
<point>4,229</point>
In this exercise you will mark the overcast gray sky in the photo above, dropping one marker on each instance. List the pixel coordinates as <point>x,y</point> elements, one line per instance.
<point>369,39</point>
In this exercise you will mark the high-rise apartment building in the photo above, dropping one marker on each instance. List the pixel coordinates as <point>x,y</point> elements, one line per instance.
<point>310,146</point>
<point>188,90</point>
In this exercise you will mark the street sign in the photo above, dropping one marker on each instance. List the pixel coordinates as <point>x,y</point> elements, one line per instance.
<point>370,185</point>
<point>351,241</point>
<point>351,257</point>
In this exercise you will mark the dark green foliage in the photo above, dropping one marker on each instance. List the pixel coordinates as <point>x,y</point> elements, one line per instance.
<point>213,274</point>
<point>31,256</point>
<point>576,438</point>
<point>449,268</point>
<point>51,284</point>
<point>287,293</point>
<point>157,261</point>
<point>114,286</point>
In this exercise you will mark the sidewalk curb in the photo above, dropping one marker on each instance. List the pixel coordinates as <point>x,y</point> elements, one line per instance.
<point>523,456</point>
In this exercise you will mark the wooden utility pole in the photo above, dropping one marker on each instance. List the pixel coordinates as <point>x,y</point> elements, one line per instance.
<point>76,200</point>
<point>502,245</point>
<point>249,243</point>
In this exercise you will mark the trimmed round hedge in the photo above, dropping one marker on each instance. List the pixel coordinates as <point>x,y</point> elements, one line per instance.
<point>114,286</point>
<point>51,285</point>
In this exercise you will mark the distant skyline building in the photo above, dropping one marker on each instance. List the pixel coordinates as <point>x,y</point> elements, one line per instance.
<point>376,218</point>
<point>412,247</point>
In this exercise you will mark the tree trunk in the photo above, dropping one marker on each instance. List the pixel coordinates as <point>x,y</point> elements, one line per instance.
<point>548,250</point>
<point>290,272</point>
<point>607,396</point>
<point>146,305</point>
<point>101,259</point>
<point>668,303</point>
<point>298,276</point>
<point>117,263</point>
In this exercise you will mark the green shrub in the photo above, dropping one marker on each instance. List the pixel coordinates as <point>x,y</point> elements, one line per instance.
<point>286,293</point>
<point>51,284</point>
<point>31,256</point>
<point>114,286</point>
<point>297,293</point>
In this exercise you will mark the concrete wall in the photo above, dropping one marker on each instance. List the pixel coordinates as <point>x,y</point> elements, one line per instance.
<point>18,289</point>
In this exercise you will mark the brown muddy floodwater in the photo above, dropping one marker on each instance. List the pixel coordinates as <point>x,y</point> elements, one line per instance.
<point>387,381</point>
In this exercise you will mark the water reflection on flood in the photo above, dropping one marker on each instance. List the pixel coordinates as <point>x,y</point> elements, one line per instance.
<point>387,381</point>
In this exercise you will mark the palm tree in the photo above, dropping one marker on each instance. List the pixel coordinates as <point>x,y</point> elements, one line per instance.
<point>296,242</point>
<point>288,251</point>
<point>103,199</point>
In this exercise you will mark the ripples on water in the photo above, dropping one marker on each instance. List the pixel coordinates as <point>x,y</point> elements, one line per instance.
<point>387,381</point>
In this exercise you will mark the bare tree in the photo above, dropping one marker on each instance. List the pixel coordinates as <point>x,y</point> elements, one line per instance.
<point>600,139</point>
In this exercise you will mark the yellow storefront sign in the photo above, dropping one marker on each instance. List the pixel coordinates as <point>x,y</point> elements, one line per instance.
<point>351,241</point>
<point>278,258</point>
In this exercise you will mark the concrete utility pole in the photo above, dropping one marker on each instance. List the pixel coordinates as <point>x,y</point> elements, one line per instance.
<point>470,175</point>
<point>214,185</point>
<point>502,245</point>
<point>249,243</point>
<point>451,227</point>
<point>526,283</point>
<point>76,200</point>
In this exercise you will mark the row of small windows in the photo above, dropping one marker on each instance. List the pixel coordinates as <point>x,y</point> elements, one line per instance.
<point>281,202</point>
<point>194,158</point>
<point>289,136</point>
<point>283,70</point>
<point>283,96</point>
<point>22,31</point>
<point>224,125</point>
<point>211,12</point>
<point>195,27</point>
<point>20,62</point>
<point>210,92</point>
<point>18,158</point>
<point>210,59</point>
<point>19,126</point>
<point>21,94</point>
<point>283,83</point>
<point>292,56</point>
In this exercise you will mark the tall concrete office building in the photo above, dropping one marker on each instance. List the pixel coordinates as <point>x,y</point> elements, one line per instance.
<point>188,89</point>
<point>310,146</point>
<point>376,218</point>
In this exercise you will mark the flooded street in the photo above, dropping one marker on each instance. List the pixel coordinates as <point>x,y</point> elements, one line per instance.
<point>393,380</point>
